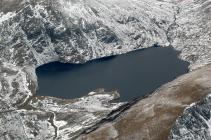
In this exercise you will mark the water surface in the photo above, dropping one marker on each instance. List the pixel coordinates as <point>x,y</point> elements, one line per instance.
<point>134,74</point>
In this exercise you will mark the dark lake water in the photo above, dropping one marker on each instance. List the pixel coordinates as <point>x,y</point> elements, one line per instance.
<point>134,74</point>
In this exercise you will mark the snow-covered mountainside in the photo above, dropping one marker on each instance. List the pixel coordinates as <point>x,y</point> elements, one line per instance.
<point>39,31</point>
<point>51,118</point>
<point>195,123</point>
<point>191,32</point>
<point>35,32</point>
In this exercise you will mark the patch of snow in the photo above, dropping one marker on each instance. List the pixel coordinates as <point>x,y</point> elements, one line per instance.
<point>91,93</point>
<point>209,126</point>
<point>60,123</point>
<point>7,16</point>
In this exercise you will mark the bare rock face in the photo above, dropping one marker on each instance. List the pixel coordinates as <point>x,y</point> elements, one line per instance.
<point>35,32</point>
<point>153,117</point>
<point>194,124</point>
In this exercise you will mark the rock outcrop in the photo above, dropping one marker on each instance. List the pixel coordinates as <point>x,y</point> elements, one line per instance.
<point>194,124</point>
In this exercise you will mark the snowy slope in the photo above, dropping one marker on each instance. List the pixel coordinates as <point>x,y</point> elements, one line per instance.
<point>78,31</point>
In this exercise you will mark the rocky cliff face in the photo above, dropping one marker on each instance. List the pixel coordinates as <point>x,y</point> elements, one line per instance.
<point>194,124</point>
<point>78,31</point>
<point>35,32</point>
